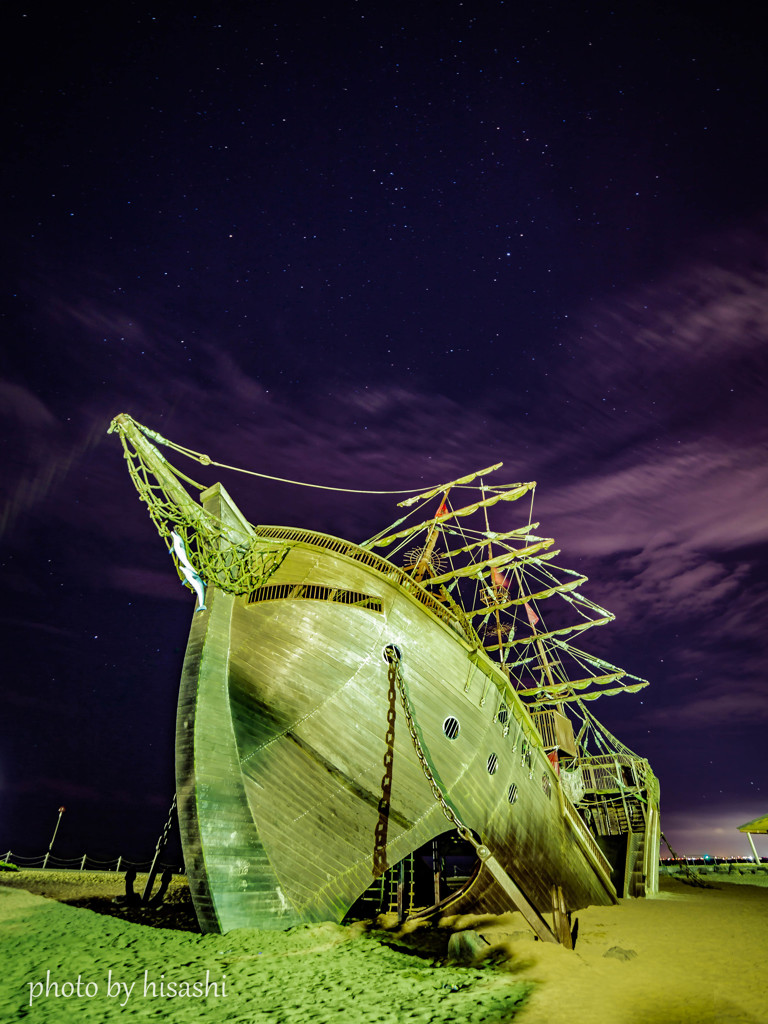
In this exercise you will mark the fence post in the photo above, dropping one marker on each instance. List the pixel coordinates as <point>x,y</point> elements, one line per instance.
<point>82,863</point>
<point>45,859</point>
<point>119,862</point>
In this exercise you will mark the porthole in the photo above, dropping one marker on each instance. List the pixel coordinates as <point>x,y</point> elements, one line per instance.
<point>493,764</point>
<point>512,793</point>
<point>546,785</point>
<point>503,715</point>
<point>451,727</point>
<point>526,758</point>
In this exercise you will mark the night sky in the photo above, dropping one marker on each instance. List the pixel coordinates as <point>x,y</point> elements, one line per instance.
<point>380,245</point>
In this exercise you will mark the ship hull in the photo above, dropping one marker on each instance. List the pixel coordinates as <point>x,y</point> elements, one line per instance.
<point>298,778</point>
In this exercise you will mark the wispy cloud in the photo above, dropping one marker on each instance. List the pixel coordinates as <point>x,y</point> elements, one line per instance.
<point>100,321</point>
<point>729,703</point>
<point>658,491</point>
<point>667,508</point>
<point>710,312</point>
<point>19,404</point>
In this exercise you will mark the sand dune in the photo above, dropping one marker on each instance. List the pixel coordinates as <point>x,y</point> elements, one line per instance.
<point>690,955</point>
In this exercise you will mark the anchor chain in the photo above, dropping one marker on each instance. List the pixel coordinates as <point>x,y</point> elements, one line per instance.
<point>692,877</point>
<point>382,825</point>
<point>161,842</point>
<point>396,676</point>
<point>498,872</point>
<point>168,825</point>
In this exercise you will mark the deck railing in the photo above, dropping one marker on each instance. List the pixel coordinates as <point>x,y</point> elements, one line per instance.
<point>452,616</point>
<point>613,771</point>
<point>556,731</point>
<point>587,839</point>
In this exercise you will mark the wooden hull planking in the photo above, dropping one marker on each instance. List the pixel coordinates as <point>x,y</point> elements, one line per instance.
<point>292,795</point>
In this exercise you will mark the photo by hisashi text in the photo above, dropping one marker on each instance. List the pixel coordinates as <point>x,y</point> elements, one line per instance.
<point>112,987</point>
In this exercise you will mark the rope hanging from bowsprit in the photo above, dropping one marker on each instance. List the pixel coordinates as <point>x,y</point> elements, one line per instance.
<point>206,460</point>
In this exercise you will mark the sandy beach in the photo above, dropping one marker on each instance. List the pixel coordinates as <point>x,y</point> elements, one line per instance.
<point>689,955</point>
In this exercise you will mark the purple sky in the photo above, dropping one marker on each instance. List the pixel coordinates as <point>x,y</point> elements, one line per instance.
<point>380,246</point>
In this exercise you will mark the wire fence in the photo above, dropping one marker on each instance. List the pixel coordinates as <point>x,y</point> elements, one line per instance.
<point>84,863</point>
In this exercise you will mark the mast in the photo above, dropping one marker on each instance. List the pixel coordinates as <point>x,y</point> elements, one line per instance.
<point>496,613</point>
<point>423,564</point>
<point>545,667</point>
<point>508,494</point>
<point>225,550</point>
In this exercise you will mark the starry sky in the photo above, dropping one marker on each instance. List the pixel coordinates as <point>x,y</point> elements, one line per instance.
<point>380,245</point>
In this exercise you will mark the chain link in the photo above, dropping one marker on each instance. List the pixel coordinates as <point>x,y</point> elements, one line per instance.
<point>396,677</point>
<point>382,825</point>
<point>168,825</point>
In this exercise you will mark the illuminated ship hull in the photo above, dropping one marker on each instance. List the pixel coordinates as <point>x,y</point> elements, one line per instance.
<point>298,780</point>
<point>338,712</point>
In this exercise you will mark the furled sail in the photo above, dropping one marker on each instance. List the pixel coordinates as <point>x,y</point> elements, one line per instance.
<point>559,689</point>
<point>579,627</point>
<point>540,595</point>
<point>490,537</point>
<point>473,585</point>
<point>497,562</point>
<point>513,495</point>
<point>461,482</point>
<point>592,695</point>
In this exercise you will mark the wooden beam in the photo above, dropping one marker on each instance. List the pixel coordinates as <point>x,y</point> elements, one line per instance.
<point>529,912</point>
<point>561,925</point>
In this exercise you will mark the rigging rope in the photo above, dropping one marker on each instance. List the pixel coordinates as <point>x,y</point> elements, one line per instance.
<point>206,460</point>
<point>235,568</point>
<point>238,563</point>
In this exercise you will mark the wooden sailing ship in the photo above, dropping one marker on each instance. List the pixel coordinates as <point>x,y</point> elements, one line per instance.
<point>343,705</point>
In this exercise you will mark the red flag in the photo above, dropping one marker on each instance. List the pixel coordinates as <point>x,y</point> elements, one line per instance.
<point>442,511</point>
<point>533,618</point>
<point>497,578</point>
<point>554,760</point>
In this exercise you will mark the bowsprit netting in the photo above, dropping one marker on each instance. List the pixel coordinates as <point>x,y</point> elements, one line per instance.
<point>230,559</point>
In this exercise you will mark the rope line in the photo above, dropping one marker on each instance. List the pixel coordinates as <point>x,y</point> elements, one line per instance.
<point>206,460</point>
<point>86,863</point>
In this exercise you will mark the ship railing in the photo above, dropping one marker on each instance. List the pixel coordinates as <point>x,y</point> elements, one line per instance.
<point>546,726</point>
<point>451,616</point>
<point>613,771</point>
<point>556,731</point>
<point>588,842</point>
<point>314,592</point>
<point>599,777</point>
<point>617,816</point>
